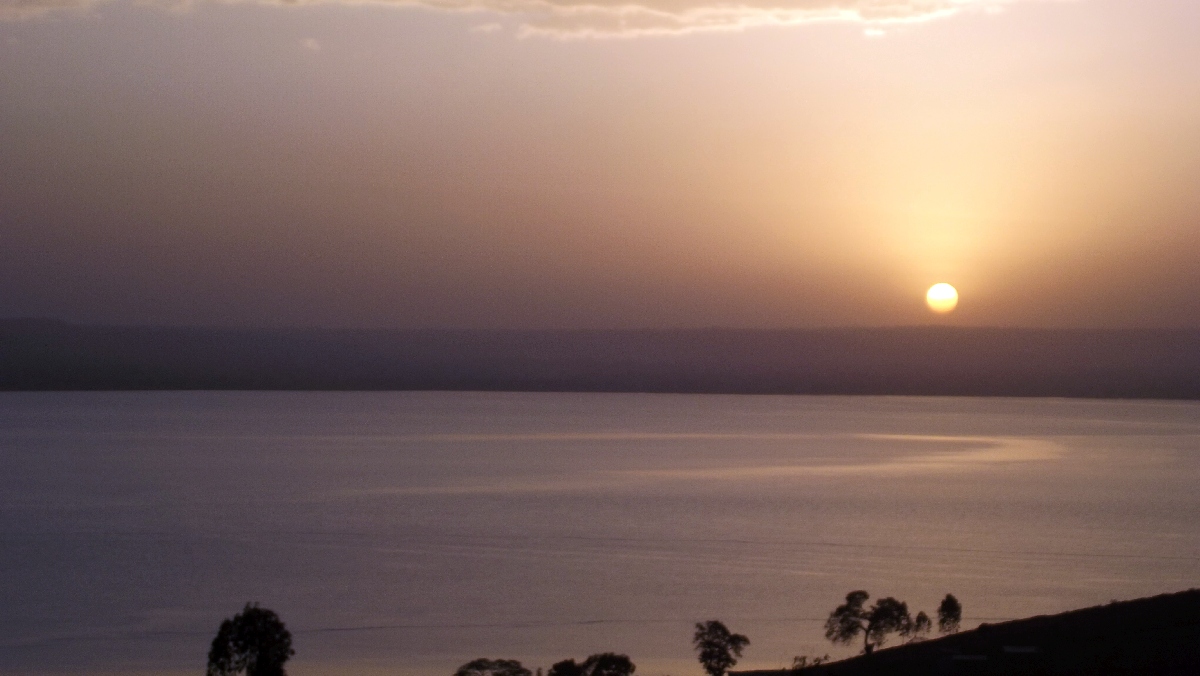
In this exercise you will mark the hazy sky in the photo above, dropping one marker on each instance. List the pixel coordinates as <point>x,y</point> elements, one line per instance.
<point>555,163</point>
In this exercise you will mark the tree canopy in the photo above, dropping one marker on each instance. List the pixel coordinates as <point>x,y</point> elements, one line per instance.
<point>887,616</point>
<point>566,668</point>
<point>718,648</point>
<point>600,664</point>
<point>608,664</point>
<point>254,641</point>
<point>949,615</point>
<point>486,667</point>
<point>920,627</point>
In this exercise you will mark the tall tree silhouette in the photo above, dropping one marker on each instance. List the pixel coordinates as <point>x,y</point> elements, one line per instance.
<point>718,648</point>
<point>254,641</point>
<point>849,619</point>
<point>949,615</point>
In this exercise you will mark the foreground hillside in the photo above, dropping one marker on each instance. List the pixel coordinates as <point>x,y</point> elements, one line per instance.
<point>1157,636</point>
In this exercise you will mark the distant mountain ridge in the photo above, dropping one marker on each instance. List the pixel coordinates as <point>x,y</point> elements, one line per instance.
<point>1159,363</point>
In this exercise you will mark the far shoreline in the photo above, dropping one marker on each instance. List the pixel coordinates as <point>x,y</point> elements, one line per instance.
<point>932,361</point>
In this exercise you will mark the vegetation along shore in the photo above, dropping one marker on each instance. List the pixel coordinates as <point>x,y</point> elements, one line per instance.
<point>1158,635</point>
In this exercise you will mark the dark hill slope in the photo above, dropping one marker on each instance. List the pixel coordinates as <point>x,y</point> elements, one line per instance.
<point>1158,636</point>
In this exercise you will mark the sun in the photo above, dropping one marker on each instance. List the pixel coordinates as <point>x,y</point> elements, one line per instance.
<point>941,298</point>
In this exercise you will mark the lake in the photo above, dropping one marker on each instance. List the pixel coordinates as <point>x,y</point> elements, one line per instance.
<point>406,533</point>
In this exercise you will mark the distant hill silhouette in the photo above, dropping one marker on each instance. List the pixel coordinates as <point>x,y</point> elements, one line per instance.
<point>50,355</point>
<point>1157,636</point>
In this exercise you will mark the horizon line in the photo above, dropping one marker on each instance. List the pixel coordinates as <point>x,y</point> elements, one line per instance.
<point>606,329</point>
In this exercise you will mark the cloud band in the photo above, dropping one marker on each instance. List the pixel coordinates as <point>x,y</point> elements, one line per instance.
<point>632,18</point>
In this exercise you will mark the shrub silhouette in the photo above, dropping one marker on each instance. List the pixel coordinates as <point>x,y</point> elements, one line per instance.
<point>949,615</point>
<point>253,641</point>
<point>486,667</point>
<point>805,661</point>
<point>718,648</point>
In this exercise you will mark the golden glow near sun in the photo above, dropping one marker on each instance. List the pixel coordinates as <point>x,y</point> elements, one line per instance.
<point>941,297</point>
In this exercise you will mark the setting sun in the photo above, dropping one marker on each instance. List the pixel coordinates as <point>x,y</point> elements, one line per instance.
<point>941,298</point>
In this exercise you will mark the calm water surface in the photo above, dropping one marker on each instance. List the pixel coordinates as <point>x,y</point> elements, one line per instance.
<point>409,532</point>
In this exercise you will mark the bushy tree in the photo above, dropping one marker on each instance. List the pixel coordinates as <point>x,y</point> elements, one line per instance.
<point>486,667</point>
<point>608,664</point>
<point>718,648</point>
<point>600,664</point>
<point>848,620</point>
<point>886,616</point>
<point>254,642</point>
<point>949,615</point>
<point>566,668</point>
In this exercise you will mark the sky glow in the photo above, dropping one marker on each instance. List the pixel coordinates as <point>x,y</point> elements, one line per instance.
<point>395,165</point>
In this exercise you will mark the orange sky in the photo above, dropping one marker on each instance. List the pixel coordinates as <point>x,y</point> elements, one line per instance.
<point>550,164</point>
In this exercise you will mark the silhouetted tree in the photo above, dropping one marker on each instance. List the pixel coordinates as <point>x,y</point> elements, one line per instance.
<point>566,668</point>
<point>608,664</point>
<point>600,664</point>
<point>253,641</point>
<point>949,615</point>
<point>921,625</point>
<point>887,616</point>
<point>718,648</point>
<point>486,667</point>
<point>848,620</point>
